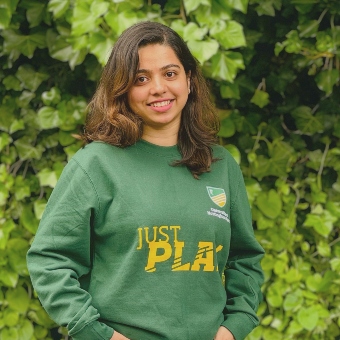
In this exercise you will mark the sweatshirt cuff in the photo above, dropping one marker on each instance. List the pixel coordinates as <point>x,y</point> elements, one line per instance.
<point>93,331</point>
<point>240,325</point>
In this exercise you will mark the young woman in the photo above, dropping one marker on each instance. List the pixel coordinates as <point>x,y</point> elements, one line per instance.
<point>147,217</point>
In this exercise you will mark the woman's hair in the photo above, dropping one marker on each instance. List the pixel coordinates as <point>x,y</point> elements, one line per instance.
<point>111,120</point>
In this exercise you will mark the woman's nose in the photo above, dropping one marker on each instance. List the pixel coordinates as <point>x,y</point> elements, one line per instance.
<point>158,86</point>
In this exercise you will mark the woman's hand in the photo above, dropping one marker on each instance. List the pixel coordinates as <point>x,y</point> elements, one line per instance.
<point>118,336</point>
<point>224,334</point>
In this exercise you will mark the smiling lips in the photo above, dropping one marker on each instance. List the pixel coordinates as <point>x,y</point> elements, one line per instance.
<point>161,106</point>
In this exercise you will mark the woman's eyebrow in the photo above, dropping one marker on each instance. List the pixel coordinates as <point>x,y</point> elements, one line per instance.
<point>162,68</point>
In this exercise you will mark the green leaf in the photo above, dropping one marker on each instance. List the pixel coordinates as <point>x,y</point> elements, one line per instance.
<point>21,188</point>
<point>17,125</point>
<point>9,277</point>
<point>35,12</point>
<point>203,50</point>
<point>83,21</point>
<point>192,5</point>
<point>51,97</point>
<point>48,118</point>
<point>18,299</point>
<point>17,255</point>
<point>4,194</point>
<point>26,330</point>
<point>5,229</point>
<point>306,122</point>
<point>270,203</point>
<point>225,65</point>
<point>47,178</point>
<point>227,128</point>
<point>25,44</point>
<point>121,21</point>
<point>230,91</point>
<point>308,317</point>
<point>323,224</point>
<point>335,264</point>
<point>260,98</point>
<point>58,7</point>
<point>5,139</point>
<point>293,301</point>
<point>12,83</point>
<point>327,79</point>
<point>192,32</point>
<point>28,219</point>
<point>9,334</point>
<point>5,17</point>
<point>100,46</point>
<point>240,5</point>
<point>26,150</point>
<point>228,33</point>
<point>39,207</point>
<point>29,78</point>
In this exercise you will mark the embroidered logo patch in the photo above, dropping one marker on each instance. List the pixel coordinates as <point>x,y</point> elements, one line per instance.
<point>218,196</point>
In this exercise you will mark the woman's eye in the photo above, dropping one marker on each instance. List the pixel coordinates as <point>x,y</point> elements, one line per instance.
<point>170,74</point>
<point>141,80</point>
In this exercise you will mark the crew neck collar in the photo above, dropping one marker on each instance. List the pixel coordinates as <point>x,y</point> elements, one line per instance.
<point>166,151</point>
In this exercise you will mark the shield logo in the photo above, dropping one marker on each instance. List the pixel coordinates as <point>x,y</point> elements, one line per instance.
<point>218,196</point>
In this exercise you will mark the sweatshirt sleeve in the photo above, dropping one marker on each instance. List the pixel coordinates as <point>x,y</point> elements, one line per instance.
<point>243,275</point>
<point>60,256</point>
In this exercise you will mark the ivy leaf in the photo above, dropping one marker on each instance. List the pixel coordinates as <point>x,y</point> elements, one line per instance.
<point>58,7</point>
<point>308,317</point>
<point>192,32</point>
<point>83,21</point>
<point>224,65</point>
<point>203,50</point>
<point>26,150</point>
<point>121,21</point>
<point>270,203</point>
<point>35,12</point>
<point>18,299</point>
<point>230,91</point>
<point>325,80</point>
<point>39,207</point>
<point>47,178</point>
<point>322,224</point>
<point>5,139</point>
<point>30,79</point>
<point>7,8</point>
<point>192,5</point>
<point>228,33</point>
<point>227,128</point>
<point>268,7</point>
<point>9,334</point>
<point>240,5</point>
<point>5,230</point>
<point>260,98</point>
<point>9,277</point>
<point>28,219</point>
<point>26,330</point>
<point>48,118</point>
<point>306,122</point>
<point>25,44</point>
<point>100,46</point>
<point>12,83</point>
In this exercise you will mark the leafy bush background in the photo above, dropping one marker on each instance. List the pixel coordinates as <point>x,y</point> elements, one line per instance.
<point>273,68</point>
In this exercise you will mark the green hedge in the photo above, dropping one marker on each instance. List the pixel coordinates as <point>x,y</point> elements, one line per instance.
<point>273,68</point>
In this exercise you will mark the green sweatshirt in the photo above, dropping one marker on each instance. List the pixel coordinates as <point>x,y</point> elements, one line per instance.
<point>129,243</point>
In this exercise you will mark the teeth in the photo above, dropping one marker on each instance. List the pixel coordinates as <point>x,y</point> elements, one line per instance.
<point>159,104</point>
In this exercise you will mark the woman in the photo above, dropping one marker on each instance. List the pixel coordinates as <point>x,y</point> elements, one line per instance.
<point>147,216</point>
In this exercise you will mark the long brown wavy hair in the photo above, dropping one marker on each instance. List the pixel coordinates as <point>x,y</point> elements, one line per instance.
<point>111,120</point>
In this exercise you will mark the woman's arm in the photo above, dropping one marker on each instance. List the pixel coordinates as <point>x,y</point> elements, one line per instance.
<point>60,256</point>
<point>243,274</point>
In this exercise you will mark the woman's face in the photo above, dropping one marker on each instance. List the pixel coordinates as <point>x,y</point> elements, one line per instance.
<point>160,90</point>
